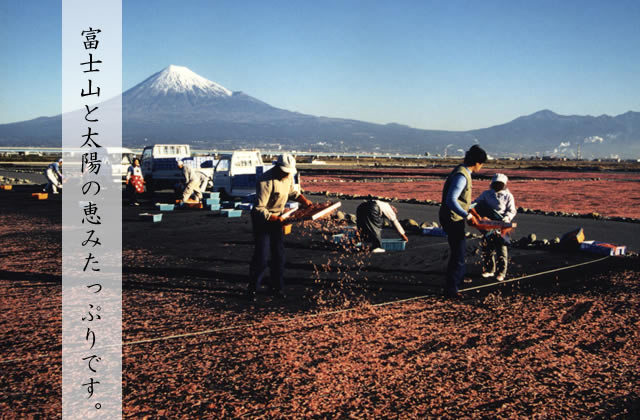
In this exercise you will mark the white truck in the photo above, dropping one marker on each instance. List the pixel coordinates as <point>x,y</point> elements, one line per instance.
<point>160,167</point>
<point>236,173</point>
<point>120,158</point>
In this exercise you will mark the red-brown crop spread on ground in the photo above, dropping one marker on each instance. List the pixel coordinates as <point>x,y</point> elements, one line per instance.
<point>609,194</point>
<point>554,354</point>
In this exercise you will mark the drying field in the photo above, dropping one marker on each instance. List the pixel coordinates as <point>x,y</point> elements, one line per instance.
<point>615,194</point>
<point>562,346</point>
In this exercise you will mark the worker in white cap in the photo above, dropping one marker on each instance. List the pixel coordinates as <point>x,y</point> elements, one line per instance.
<point>53,174</point>
<point>496,203</point>
<point>273,190</point>
<point>195,182</point>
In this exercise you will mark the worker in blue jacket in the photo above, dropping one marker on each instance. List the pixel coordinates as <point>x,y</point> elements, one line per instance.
<point>454,211</point>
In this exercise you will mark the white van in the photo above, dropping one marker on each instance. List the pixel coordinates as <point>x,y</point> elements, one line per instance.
<point>236,174</point>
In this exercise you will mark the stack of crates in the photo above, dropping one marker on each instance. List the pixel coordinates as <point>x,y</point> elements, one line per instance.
<point>212,200</point>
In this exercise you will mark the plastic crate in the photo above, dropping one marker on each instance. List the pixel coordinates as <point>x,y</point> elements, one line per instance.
<point>245,206</point>
<point>211,195</point>
<point>286,229</point>
<point>6,187</point>
<point>603,248</point>
<point>393,244</point>
<point>214,207</point>
<point>231,212</point>
<point>165,207</point>
<point>40,196</point>
<point>350,231</point>
<point>227,204</point>
<point>155,218</point>
<point>434,231</point>
<point>208,201</point>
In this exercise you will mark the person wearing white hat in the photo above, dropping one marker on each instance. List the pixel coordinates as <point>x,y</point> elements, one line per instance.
<point>53,174</point>
<point>274,188</point>
<point>195,182</point>
<point>496,203</point>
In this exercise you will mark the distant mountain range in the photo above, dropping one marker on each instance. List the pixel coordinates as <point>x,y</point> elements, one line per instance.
<point>177,105</point>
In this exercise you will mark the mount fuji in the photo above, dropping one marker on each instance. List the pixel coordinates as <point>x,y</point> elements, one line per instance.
<point>178,94</point>
<point>179,106</point>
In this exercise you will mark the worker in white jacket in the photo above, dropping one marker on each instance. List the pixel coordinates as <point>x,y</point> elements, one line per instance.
<point>53,174</point>
<point>496,203</point>
<point>370,216</point>
<point>195,182</point>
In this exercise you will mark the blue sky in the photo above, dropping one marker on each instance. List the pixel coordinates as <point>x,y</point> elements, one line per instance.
<point>452,65</point>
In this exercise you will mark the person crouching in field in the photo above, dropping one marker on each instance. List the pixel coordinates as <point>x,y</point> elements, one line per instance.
<point>369,216</point>
<point>496,203</point>
<point>454,210</point>
<point>53,174</point>
<point>195,182</point>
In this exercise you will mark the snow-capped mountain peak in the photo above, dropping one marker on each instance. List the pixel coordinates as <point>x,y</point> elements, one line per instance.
<point>180,79</point>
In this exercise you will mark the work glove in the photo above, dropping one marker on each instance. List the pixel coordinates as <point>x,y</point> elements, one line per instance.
<point>404,237</point>
<point>275,218</point>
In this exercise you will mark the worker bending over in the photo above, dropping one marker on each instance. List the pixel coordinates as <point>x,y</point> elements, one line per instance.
<point>370,217</point>
<point>496,203</point>
<point>195,182</point>
<point>53,174</point>
<point>274,188</point>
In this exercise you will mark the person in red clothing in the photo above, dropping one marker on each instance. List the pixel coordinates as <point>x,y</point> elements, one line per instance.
<point>135,182</point>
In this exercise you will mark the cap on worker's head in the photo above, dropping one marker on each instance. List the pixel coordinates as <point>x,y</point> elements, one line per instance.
<point>500,178</point>
<point>60,160</point>
<point>286,163</point>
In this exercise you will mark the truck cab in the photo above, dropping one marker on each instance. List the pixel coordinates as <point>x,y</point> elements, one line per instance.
<point>151,156</point>
<point>159,166</point>
<point>237,173</point>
